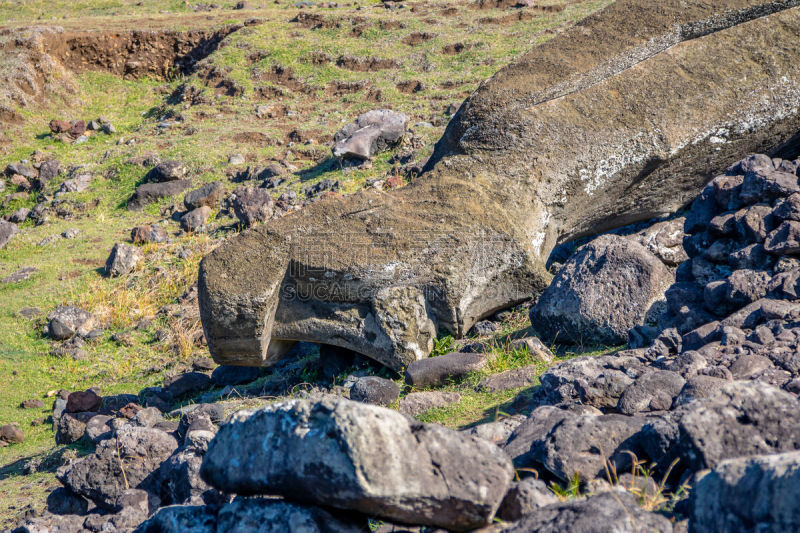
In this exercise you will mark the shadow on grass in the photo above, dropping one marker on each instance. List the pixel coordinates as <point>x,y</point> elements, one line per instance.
<point>45,462</point>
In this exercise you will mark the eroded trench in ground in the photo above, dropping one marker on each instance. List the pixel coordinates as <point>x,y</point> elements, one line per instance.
<point>136,54</point>
<point>38,61</point>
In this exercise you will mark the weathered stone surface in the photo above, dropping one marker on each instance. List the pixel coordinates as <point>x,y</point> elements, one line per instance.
<point>71,427</point>
<point>595,381</point>
<point>66,321</point>
<point>11,434</point>
<point>234,375</point>
<point>195,220</point>
<point>271,516</point>
<point>166,171</point>
<point>586,444</point>
<point>152,192</point>
<point>510,379</point>
<point>371,133</point>
<point>374,390</point>
<point>525,497</point>
<point>739,420</point>
<point>185,518</point>
<point>208,195</point>
<point>664,240</point>
<point>63,501</point>
<point>748,495</point>
<point>355,456</point>
<point>7,232</point>
<point>498,431</point>
<point>437,370</point>
<point>607,287</point>
<point>126,461</point>
<point>148,233</point>
<point>251,205</point>
<point>418,402</point>
<point>653,391</point>
<point>81,401</point>
<point>187,383</point>
<point>123,259</point>
<point>609,511</point>
<point>497,196</point>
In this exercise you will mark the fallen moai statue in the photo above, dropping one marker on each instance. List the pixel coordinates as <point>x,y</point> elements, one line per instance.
<point>609,123</point>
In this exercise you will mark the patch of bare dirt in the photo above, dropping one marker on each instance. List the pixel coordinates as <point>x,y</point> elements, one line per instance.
<point>280,75</point>
<point>135,54</point>
<point>28,71</point>
<point>339,88</point>
<point>218,79</point>
<point>410,86</point>
<point>508,19</point>
<point>366,64</point>
<point>418,37</point>
<point>253,137</point>
<point>315,21</point>
<point>455,48</point>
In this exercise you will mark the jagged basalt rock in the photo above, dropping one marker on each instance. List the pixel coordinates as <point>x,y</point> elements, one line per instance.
<point>600,143</point>
<point>360,457</point>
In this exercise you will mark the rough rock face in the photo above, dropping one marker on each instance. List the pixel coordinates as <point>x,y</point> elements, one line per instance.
<point>66,321</point>
<point>253,205</point>
<point>610,511</point>
<point>123,259</point>
<point>371,133</point>
<point>472,236</point>
<point>101,477</point>
<point>151,192</point>
<point>606,288</point>
<point>754,494</point>
<point>360,457</point>
<point>7,232</point>
<point>251,516</point>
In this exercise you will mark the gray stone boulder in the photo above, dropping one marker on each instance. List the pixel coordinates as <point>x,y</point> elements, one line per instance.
<point>7,232</point>
<point>523,441</point>
<point>609,511</point>
<point>66,321</point>
<point>525,497</point>
<point>123,259</point>
<point>209,195</point>
<point>195,220</point>
<point>416,403</point>
<point>755,494</point>
<point>372,132</point>
<point>127,460</point>
<point>148,233</point>
<point>152,192</point>
<point>274,516</point>
<point>166,171</point>
<point>497,432</point>
<point>474,235</point>
<point>652,391</point>
<point>374,390</point>
<point>251,205</point>
<point>596,381</point>
<point>434,371</point>
<point>360,457</point>
<point>585,445</point>
<point>741,419</point>
<point>510,379</point>
<point>664,240</point>
<point>606,288</point>
<point>184,518</point>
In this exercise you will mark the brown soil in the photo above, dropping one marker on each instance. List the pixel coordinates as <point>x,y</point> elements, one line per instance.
<point>267,92</point>
<point>410,86</point>
<point>418,37</point>
<point>449,12</point>
<point>315,21</point>
<point>508,19</point>
<point>339,88</point>
<point>455,48</point>
<point>283,76</point>
<point>217,79</point>
<point>253,137</point>
<point>135,54</point>
<point>366,64</point>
